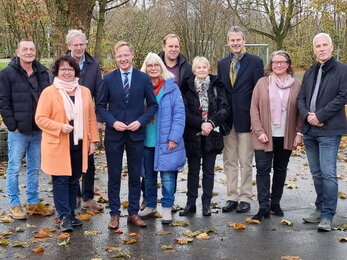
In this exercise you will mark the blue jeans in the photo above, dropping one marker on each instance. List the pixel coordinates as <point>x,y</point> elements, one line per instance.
<point>321,154</point>
<point>168,182</point>
<point>20,145</point>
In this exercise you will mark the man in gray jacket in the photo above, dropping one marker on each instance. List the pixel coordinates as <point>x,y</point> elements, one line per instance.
<point>321,104</point>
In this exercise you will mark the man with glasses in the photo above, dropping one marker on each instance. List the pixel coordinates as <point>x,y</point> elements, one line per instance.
<point>121,105</point>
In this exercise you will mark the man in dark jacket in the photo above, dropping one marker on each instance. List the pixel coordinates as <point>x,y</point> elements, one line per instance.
<point>90,77</point>
<point>321,103</point>
<point>21,84</point>
<point>174,61</point>
<point>239,72</point>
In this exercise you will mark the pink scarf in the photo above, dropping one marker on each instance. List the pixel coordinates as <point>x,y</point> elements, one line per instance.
<point>74,111</point>
<point>278,104</point>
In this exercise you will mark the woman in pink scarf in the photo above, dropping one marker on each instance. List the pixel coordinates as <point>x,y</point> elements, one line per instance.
<point>65,114</point>
<point>276,130</point>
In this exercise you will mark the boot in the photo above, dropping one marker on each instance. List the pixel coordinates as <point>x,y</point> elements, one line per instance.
<point>262,213</point>
<point>206,211</point>
<point>166,217</point>
<point>188,210</point>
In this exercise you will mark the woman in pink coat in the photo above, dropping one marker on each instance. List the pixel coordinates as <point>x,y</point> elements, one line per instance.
<point>276,129</point>
<point>65,114</point>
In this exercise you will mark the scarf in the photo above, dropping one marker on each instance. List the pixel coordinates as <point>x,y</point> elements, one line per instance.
<point>201,87</point>
<point>74,111</point>
<point>156,89</point>
<point>278,103</point>
<point>235,60</point>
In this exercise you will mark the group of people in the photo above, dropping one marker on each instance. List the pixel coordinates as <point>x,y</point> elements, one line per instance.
<point>165,113</point>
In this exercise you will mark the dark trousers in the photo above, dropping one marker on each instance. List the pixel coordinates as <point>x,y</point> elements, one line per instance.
<point>194,163</point>
<point>278,159</point>
<point>65,188</point>
<point>87,189</point>
<point>114,157</point>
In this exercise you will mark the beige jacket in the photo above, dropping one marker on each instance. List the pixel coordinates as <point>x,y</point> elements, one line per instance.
<point>261,117</point>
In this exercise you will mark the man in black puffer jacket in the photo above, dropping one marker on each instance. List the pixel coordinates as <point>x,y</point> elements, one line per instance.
<point>21,84</point>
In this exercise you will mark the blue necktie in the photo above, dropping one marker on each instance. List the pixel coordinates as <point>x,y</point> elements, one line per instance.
<point>126,86</point>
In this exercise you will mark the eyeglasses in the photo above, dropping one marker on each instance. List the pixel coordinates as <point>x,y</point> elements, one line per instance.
<point>281,63</point>
<point>150,66</point>
<point>66,70</point>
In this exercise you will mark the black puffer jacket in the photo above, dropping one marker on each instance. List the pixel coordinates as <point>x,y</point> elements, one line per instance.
<point>17,102</point>
<point>217,113</point>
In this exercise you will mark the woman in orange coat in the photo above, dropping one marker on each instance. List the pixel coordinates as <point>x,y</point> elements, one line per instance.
<point>65,114</point>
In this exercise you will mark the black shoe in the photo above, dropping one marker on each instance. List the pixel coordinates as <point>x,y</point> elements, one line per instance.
<point>243,207</point>
<point>262,213</point>
<point>276,210</point>
<point>206,212</point>
<point>65,224</point>
<point>188,210</point>
<point>75,222</point>
<point>230,206</point>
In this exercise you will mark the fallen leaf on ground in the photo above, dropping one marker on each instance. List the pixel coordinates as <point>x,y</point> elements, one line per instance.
<point>183,179</point>
<point>181,191</point>
<point>125,204</point>
<point>129,241</point>
<point>208,230</point>
<point>215,194</point>
<point>190,233</point>
<point>4,242</point>
<point>293,179</point>
<point>91,233</point>
<point>4,234</point>
<point>133,234</point>
<point>102,200</point>
<point>38,249</point>
<point>19,229</point>
<point>64,243</point>
<point>342,239</point>
<point>97,192</point>
<point>222,181</point>
<point>237,226</point>
<point>113,249</point>
<point>157,215</point>
<point>19,255</point>
<point>252,221</point>
<point>287,222</point>
<point>166,247</point>
<point>169,251</point>
<point>98,258</point>
<point>43,233</point>
<point>342,195</point>
<point>183,241</point>
<point>118,231</point>
<point>6,220</point>
<point>289,257</point>
<point>214,205</point>
<point>291,186</point>
<point>57,221</point>
<point>63,235</point>
<point>18,243</point>
<point>84,217</point>
<point>342,227</point>
<point>163,233</point>
<point>218,168</point>
<point>203,236</point>
<point>30,226</point>
<point>254,182</point>
<point>180,224</point>
<point>122,255</point>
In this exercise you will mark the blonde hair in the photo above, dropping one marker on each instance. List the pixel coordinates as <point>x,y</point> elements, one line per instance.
<point>171,35</point>
<point>152,57</point>
<point>199,59</point>
<point>123,43</point>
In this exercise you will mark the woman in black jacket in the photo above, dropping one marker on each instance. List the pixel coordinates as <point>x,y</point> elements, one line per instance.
<point>206,109</point>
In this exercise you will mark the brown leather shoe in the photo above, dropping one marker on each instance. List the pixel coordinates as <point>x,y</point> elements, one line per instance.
<point>136,220</point>
<point>114,222</point>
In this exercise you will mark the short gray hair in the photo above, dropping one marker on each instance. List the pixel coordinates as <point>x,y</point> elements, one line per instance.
<point>236,29</point>
<point>75,33</point>
<point>319,35</point>
<point>152,57</point>
<point>199,59</point>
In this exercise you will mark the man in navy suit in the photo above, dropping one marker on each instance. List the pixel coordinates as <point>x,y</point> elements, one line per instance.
<point>321,103</point>
<point>239,72</point>
<point>121,105</point>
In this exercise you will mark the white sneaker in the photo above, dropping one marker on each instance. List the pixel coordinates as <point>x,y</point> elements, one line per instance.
<point>147,212</point>
<point>167,216</point>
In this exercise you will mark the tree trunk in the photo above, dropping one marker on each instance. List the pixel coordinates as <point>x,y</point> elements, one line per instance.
<point>65,15</point>
<point>100,30</point>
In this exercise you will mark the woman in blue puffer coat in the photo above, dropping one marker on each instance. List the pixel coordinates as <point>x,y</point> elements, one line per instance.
<point>164,146</point>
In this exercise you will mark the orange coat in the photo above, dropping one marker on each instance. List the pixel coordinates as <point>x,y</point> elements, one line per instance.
<point>55,145</point>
